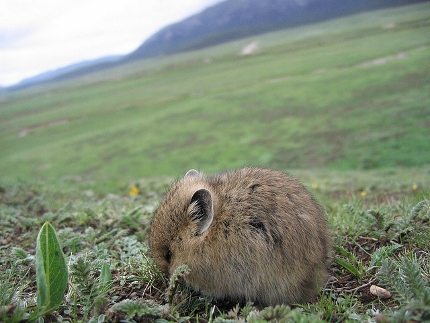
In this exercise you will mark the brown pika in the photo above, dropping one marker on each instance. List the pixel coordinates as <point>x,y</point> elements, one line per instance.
<point>247,235</point>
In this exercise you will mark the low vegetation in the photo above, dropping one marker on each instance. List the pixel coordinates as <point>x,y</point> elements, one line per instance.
<point>380,224</point>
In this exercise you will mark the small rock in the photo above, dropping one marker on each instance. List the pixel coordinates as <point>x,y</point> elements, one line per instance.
<point>380,292</point>
<point>251,48</point>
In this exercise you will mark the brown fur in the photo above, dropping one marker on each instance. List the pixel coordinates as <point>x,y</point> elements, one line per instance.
<point>268,240</point>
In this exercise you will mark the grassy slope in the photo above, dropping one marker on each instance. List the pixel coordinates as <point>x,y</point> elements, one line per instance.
<point>304,101</point>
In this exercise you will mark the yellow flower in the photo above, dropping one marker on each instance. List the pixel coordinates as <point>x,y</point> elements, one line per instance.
<point>415,187</point>
<point>134,190</point>
<point>363,193</point>
<point>314,185</point>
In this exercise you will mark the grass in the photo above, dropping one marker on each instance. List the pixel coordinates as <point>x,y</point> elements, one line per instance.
<point>353,96</point>
<point>342,105</point>
<point>385,228</point>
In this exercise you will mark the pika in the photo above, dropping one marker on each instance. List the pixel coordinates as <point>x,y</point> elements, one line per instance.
<point>247,235</point>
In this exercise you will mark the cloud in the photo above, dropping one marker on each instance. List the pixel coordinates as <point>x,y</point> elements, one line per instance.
<point>45,34</point>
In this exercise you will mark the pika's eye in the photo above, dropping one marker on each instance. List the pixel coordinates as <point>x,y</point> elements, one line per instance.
<point>168,255</point>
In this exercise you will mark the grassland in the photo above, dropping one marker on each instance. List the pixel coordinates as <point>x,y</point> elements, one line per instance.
<point>342,105</point>
<point>350,94</point>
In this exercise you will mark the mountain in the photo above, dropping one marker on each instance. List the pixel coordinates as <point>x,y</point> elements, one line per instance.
<point>225,21</point>
<point>233,19</point>
<point>68,71</point>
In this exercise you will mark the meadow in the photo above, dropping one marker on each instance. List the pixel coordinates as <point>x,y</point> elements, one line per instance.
<point>349,94</point>
<point>342,105</point>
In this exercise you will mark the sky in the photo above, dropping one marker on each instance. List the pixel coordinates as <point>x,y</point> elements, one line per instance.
<point>41,35</point>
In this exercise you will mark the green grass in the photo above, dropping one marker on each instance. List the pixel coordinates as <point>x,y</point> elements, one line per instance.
<point>342,105</point>
<point>305,101</point>
<point>380,224</point>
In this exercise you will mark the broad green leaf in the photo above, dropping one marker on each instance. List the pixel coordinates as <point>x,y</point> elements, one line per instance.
<point>51,270</point>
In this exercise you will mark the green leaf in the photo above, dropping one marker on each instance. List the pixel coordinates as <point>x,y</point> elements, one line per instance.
<point>51,270</point>
<point>346,253</point>
<point>133,308</point>
<point>179,273</point>
<point>382,253</point>
<point>351,264</point>
<point>348,266</point>
<point>106,275</point>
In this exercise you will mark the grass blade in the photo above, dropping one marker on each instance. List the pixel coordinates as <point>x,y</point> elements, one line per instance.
<point>349,267</point>
<point>106,275</point>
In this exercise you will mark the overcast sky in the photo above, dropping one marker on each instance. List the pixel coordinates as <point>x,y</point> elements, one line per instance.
<point>40,35</point>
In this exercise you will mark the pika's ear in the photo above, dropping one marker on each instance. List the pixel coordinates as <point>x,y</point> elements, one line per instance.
<point>192,172</point>
<point>201,209</point>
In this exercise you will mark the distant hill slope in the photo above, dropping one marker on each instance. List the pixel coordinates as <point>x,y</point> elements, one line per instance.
<point>345,94</point>
<point>70,70</point>
<point>233,19</point>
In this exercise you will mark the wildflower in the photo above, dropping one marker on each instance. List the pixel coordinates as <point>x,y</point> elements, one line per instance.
<point>363,193</point>
<point>415,187</point>
<point>134,190</point>
<point>314,185</point>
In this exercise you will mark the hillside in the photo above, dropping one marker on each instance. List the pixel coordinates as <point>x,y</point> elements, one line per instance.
<point>235,19</point>
<point>347,94</point>
<point>69,71</point>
